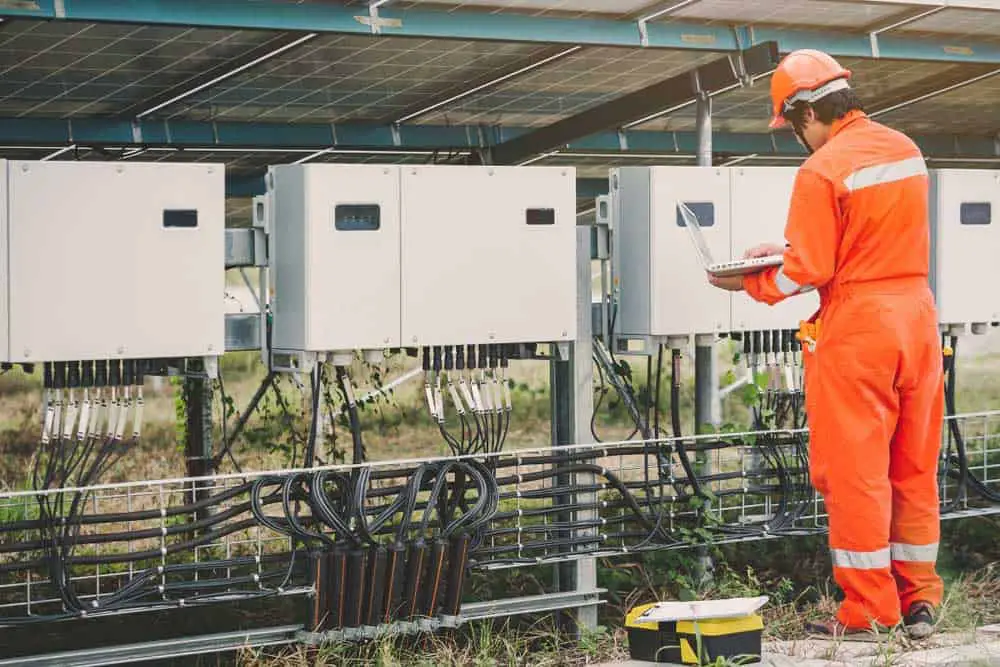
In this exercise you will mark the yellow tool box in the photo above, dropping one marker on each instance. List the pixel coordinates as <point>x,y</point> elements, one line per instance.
<point>652,641</point>
<point>674,632</point>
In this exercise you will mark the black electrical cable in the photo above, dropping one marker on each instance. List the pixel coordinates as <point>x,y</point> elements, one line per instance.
<point>317,390</point>
<point>675,418</point>
<point>964,476</point>
<point>601,393</point>
<point>352,416</point>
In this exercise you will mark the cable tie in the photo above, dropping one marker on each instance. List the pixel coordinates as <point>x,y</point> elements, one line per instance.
<point>163,551</point>
<point>163,512</point>
<point>95,604</point>
<point>520,513</point>
<point>161,589</point>
<point>159,569</point>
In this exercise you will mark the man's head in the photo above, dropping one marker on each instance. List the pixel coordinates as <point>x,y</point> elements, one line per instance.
<point>810,90</point>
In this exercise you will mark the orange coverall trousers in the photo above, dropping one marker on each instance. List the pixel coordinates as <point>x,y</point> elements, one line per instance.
<point>858,232</point>
<point>874,399</point>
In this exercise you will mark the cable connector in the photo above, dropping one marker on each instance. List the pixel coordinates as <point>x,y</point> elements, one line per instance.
<point>137,422</point>
<point>455,398</point>
<point>431,403</point>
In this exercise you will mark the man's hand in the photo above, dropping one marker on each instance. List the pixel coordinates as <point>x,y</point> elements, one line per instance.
<point>730,283</point>
<point>764,250</point>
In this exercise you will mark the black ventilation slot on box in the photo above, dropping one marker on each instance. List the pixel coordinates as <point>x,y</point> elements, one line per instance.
<point>976,213</point>
<point>540,216</point>
<point>180,218</point>
<point>357,217</point>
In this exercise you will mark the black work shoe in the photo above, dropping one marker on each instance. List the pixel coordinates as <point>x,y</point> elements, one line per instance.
<point>919,623</point>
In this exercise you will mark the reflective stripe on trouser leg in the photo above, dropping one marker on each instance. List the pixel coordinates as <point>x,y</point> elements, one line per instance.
<point>913,466</point>
<point>860,560</point>
<point>852,413</point>
<point>914,553</point>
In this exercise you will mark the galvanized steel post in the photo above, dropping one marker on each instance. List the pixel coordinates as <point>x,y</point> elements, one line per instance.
<point>572,404</point>
<point>707,406</point>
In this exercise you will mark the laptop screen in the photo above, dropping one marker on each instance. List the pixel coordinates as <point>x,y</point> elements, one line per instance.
<point>694,229</point>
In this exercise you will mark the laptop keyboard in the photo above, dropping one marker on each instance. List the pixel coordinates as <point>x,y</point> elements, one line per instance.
<point>756,261</point>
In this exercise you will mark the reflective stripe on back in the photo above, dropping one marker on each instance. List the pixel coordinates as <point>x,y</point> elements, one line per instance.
<point>889,172</point>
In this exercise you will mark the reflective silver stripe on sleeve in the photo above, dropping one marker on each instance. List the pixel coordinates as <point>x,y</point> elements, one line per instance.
<point>886,173</point>
<point>786,285</point>
<point>914,553</point>
<point>861,560</point>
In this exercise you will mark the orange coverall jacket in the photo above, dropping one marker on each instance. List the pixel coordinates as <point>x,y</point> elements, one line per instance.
<point>858,232</point>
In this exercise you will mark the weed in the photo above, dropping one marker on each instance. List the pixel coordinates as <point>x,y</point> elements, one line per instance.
<point>482,644</point>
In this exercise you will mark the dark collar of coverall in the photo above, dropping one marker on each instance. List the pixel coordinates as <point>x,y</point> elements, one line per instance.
<point>850,118</point>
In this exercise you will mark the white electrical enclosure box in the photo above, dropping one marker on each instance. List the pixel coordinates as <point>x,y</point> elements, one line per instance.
<point>761,197</point>
<point>488,255</point>
<point>965,207</point>
<point>664,290</point>
<point>334,257</point>
<point>112,260</point>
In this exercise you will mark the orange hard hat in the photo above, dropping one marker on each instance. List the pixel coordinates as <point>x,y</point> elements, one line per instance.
<point>804,76</point>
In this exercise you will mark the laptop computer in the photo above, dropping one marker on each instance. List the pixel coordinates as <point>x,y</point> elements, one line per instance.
<point>736,267</point>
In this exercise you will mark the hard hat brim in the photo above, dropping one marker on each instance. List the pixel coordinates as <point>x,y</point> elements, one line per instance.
<point>777,122</point>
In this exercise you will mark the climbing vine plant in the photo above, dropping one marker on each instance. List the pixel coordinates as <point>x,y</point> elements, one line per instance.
<point>280,423</point>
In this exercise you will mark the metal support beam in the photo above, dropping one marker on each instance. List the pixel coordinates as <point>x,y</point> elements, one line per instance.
<point>483,84</point>
<point>648,16</point>
<point>365,139</point>
<point>469,23</point>
<point>110,138</point>
<point>179,647</point>
<point>710,77</point>
<point>898,22</point>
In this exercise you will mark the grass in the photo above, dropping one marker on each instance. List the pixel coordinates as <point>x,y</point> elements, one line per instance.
<point>481,644</point>
<point>795,573</point>
<point>972,600</point>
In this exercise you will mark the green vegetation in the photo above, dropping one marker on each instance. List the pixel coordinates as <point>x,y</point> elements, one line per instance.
<point>794,572</point>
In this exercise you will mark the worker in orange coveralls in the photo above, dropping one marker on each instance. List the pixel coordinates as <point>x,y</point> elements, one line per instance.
<point>858,232</point>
